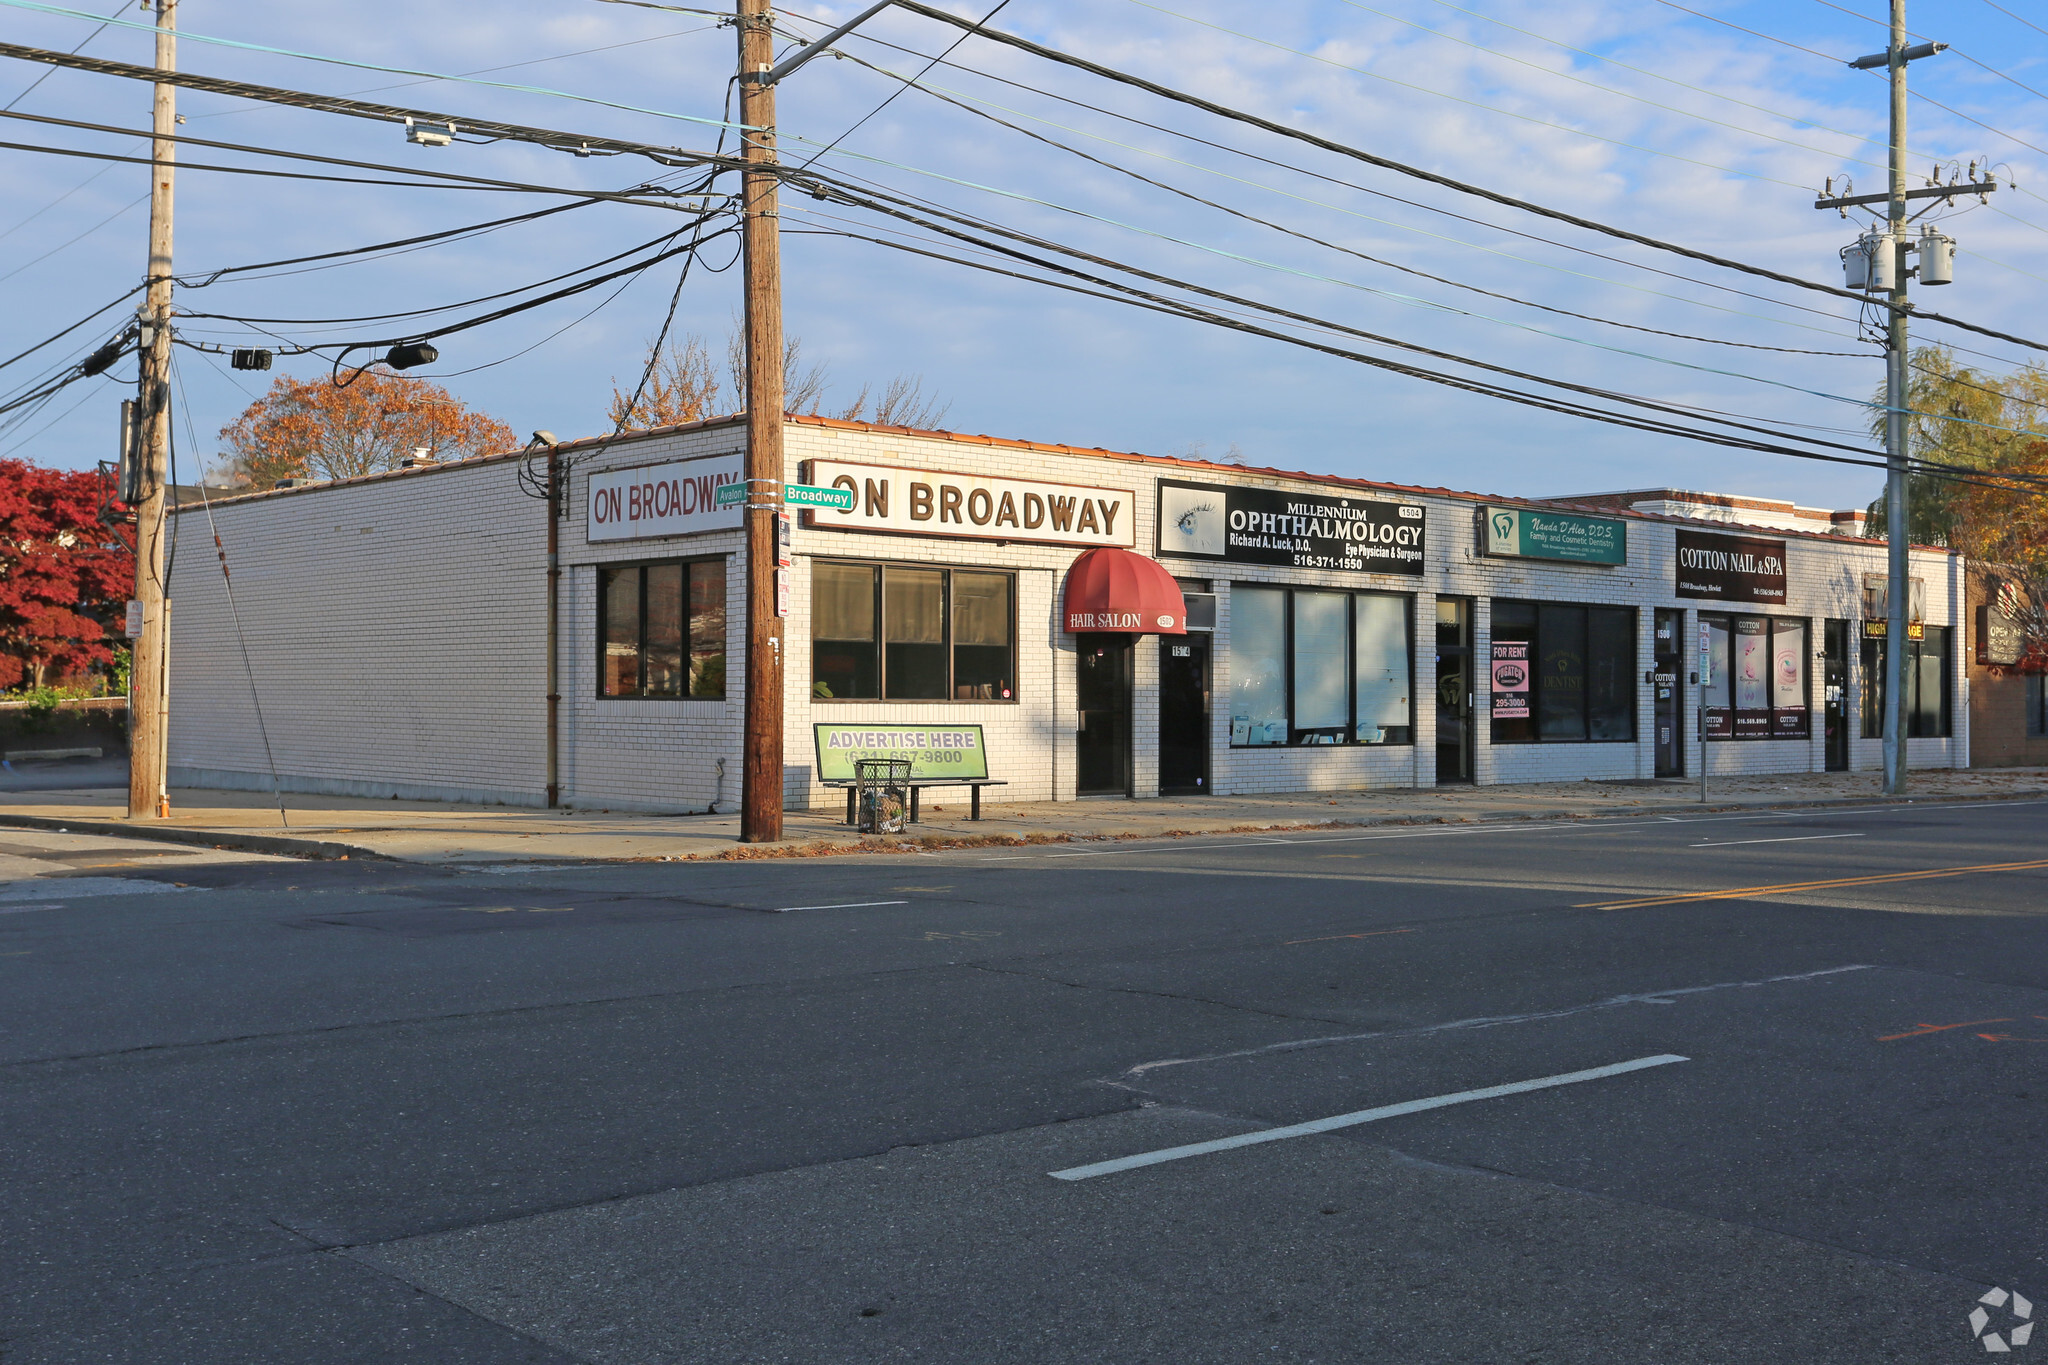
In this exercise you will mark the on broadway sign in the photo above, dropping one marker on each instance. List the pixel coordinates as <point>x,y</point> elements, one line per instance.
<point>1300,530</point>
<point>1731,568</point>
<point>676,499</point>
<point>934,751</point>
<point>916,502</point>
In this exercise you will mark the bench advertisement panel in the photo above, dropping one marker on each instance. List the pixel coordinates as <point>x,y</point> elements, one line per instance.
<point>937,753</point>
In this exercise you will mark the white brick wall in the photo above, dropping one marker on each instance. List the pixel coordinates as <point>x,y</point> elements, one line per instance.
<point>396,627</point>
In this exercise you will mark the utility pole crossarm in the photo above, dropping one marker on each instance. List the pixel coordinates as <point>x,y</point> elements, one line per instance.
<point>1931,192</point>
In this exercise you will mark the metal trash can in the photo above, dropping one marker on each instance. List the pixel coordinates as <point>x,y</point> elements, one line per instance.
<point>881,794</point>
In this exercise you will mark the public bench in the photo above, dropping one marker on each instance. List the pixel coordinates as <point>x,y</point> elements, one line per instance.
<point>939,755</point>
<point>918,784</point>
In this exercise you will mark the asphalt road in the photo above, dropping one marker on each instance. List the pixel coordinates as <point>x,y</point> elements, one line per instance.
<point>811,1110</point>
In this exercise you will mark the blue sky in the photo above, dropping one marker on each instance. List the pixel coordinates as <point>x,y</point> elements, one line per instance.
<point>1633,112</point>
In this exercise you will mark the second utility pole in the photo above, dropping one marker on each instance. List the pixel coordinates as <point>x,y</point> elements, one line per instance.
<point>1898,556</point>
<point>149,664</point>
<point>761,763</point>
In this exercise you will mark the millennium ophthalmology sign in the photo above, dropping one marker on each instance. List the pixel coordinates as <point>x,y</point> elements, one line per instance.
<point>1301,530</point>
<point>1731,568</point>
<point>676,499</point>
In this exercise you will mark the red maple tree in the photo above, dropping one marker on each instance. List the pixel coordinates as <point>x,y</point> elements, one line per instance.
<point>65,577</point>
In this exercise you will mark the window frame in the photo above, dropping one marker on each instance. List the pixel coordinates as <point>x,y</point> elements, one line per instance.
<point>1535,717</point>
<point>2035,700</point>
<point>1872,661</point>
<point>1350,740</point>
<point>879,568</point>
<point>690,638</point>
<point>1771,727</point>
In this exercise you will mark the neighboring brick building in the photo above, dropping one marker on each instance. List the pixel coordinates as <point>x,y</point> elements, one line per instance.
<point>2008,657</point>
<point>396,627</point>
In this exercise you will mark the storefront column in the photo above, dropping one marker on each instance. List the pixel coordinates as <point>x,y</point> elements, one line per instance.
<point>1423,680</point>
<point>1482,692</point>
<point>1145,717</point>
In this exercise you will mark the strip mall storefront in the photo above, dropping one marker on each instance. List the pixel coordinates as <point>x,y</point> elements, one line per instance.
<point>1078,623</point>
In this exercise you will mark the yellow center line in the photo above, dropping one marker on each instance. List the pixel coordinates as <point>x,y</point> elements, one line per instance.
<point>1743,892</point>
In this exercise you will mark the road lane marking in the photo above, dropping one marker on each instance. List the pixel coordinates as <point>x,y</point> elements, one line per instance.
<point>1788,839</point>
<point>1743,892</point>
<point>1922,1030</point>
<point>1387,1111</point>
<point>850,905</point>
<point>1370,933</point>
<point>1663,997</point>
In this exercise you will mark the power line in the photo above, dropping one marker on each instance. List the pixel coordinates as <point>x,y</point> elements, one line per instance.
<point>1448,182</point>
<point>1333,246</point>
<point>204,278</point>
<point>186,35</point>
<point>575,143</point>
<point>129,208</point>
<point>2016,18</point>
<point>1000,5</point>
<point>80,48</point>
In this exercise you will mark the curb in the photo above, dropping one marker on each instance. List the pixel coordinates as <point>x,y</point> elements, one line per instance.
<point>203,838</point>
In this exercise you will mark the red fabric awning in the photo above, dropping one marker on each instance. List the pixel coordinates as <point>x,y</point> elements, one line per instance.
<point>1115,590</point>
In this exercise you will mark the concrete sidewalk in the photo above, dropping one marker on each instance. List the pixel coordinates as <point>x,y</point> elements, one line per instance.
<point>426,831</point>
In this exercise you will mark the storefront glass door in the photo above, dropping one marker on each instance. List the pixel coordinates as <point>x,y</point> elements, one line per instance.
<point>1454,687</point>
<point>1103,697</point>
<point>1668,655</point>
<point>1835,695</point>
<point>1184,715</point>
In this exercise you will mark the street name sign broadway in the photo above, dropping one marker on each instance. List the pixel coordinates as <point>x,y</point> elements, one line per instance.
<point>1526,533</point>
<point>935,751</point>
<point>1300,530</point>
<point>1731,568</point>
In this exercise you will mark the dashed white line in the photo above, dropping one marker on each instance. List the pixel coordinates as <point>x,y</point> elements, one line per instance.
<point>1788,839</point>
<point>1386,1111</point>
<point>850,905</point>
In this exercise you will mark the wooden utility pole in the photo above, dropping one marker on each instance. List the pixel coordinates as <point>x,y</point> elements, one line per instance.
<point>1898,543</point>
<point>149,674</point>
<point>761,766</point>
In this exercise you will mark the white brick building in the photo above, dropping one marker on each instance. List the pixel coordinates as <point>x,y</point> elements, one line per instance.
<point>395,627</point>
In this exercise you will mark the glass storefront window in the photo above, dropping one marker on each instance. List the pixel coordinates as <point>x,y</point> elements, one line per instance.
<point>1928,706</point>
<point>1756,677</point>
<point>1563,673</point>
<point>1318,666</point>
<point>901,633</point>
<point>1258,666</point>
<point>661,629</point>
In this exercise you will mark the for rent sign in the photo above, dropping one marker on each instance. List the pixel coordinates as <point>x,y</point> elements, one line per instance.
<point>934,751</point>
<point>677,499</point>
<point>1731,568</point>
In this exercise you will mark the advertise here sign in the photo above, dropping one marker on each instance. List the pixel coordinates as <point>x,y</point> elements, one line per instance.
<point>916,502</point>
<point>1731,568</point>
<point>934,751</point>
<point>1511,679</point>
<point>676,499</point>
<point>1299,530</point>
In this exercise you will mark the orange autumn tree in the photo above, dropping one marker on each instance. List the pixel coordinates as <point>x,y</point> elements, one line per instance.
<point>314,429</point>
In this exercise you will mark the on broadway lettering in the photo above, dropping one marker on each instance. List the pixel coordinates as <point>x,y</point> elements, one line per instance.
<point>917,502</point>
<point>1730,568</point>
<point>661,500</point>
<point>1300,530</point>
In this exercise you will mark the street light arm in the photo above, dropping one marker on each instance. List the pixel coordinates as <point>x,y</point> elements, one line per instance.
<point>794,60</point>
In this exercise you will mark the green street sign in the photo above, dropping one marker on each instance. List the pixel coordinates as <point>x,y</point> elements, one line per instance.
<point>731,494</point>
<point>811,495</point>
<point>1526,533</point>
<point>934,751</point>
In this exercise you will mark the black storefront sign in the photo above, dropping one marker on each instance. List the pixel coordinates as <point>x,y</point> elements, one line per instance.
<point>1298,530</point>
<point>1731,568</point>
